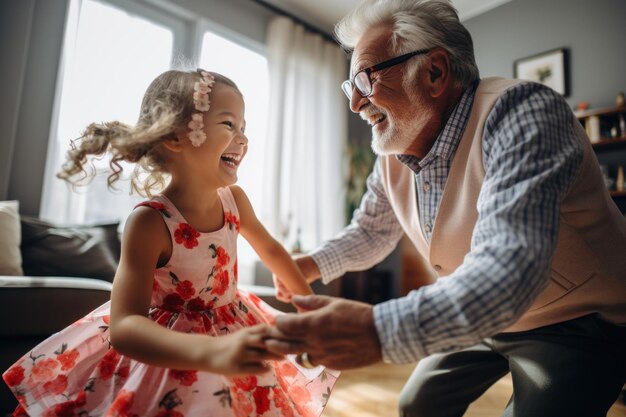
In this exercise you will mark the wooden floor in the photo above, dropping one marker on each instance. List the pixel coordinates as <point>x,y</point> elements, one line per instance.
<point>373,392</point>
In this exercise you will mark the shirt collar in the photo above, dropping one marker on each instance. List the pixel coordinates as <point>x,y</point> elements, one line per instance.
<point>446,143</point>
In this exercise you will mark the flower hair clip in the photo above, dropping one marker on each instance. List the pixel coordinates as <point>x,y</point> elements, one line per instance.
<point>201,90</point>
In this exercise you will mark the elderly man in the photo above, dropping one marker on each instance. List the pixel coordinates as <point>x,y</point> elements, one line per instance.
<point>496,185</point>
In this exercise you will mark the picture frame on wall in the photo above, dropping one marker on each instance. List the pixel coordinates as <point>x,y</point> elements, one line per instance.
<point>550,68</point>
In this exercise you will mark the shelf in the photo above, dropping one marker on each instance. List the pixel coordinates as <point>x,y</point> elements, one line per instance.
<point>607,143</point>
<point>600,112</point>
<point>598,123</point>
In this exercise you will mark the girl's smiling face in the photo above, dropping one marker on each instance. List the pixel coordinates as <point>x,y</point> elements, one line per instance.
<point>218,158</point>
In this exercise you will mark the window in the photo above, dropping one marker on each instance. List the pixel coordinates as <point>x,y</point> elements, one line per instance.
<point>235,61</point>
<point>104,77</point>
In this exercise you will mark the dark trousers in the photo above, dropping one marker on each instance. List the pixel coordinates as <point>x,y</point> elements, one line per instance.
<point>571,369</point>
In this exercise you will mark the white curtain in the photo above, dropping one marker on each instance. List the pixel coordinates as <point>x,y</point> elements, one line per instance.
<point>304,190</point>
<point>58,202</point>
<point>127,60</point>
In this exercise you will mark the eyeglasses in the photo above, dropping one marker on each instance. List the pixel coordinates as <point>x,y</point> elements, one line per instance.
<point>362,81</point>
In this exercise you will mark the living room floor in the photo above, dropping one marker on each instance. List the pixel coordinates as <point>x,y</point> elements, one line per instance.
<point>373,392</point>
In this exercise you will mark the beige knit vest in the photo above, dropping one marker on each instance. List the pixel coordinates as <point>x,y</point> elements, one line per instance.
<point>588,271</point>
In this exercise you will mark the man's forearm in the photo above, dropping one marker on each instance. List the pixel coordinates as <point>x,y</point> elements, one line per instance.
<point>308,267</point>
<point>354,250</point>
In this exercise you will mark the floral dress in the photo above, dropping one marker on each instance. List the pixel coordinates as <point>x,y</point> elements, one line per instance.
<point>77,372</point>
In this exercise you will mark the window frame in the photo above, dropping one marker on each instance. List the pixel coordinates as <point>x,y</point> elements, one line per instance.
<point>182,31</point>
<point>182,28</point>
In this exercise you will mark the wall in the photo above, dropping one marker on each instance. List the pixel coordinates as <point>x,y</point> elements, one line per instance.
<point>594,32</point>
<point>13,43</point>
<point>31,33</point>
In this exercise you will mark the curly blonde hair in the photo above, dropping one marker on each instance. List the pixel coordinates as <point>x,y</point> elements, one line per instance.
<point>167,106</point>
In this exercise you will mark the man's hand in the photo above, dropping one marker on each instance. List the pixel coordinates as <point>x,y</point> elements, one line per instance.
<point>334,332</point>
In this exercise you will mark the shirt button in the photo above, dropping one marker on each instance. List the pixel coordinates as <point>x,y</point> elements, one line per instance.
<point>426,186</point>
<point>437,267</point>
<point>428,227</point>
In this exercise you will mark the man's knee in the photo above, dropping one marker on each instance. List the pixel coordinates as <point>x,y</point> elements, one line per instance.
<point>414,400</point>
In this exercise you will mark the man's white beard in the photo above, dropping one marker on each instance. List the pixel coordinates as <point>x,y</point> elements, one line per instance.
<point>397,137</point>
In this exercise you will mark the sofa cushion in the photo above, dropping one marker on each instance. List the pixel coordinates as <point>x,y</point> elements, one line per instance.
<point>90,251</point>
<point>10,257</point>
<point>41,306</point>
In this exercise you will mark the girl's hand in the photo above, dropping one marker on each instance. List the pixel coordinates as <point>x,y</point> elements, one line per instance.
<point>282,292</point>
<point>240,353</point>
<point>307,267</point>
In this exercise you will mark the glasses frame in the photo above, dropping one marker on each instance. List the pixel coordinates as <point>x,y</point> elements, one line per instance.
<point>348,86</point>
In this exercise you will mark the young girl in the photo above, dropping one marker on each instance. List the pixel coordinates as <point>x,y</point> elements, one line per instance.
<point>177,338</point>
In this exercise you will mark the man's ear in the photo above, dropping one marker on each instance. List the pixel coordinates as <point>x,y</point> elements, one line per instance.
<point>434,73</point>
<point>438,71</point>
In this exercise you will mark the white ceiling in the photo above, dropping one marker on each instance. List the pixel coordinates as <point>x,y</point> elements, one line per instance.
<point>323,14</point>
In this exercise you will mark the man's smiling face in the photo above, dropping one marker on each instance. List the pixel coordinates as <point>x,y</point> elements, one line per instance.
<point>397,114</point>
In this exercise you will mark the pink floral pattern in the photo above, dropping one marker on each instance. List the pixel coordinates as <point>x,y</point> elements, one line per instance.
<point>14,376</point>
<point>158,206</point>
<point>186,378</point>
<point>77,371</point>
<point>67,358</point>
<point>186,235</point>
<point>232,221</point>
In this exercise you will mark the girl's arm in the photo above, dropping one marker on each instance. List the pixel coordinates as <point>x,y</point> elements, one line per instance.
<point>307,267</point>
<point>272,253</point>
<point>145,242</point>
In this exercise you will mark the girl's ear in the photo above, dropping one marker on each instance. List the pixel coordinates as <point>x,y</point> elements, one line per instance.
<point>175,143</point>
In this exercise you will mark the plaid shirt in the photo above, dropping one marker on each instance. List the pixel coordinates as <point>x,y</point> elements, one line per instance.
<point>531,156</point>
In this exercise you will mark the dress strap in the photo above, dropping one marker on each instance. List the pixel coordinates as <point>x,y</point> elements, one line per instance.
<point>231,213</point>
<point>160,207</point>
<point>228,200</point>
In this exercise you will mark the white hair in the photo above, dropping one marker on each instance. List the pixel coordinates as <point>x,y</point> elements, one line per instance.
<point>416,24</point>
